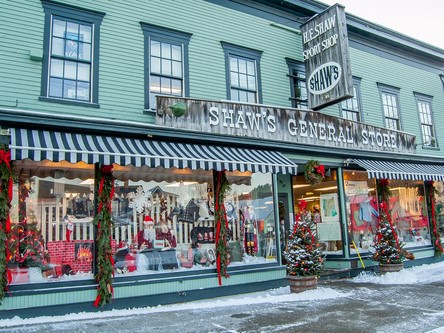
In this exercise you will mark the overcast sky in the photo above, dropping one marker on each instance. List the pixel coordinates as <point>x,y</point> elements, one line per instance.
<point>420,19</point>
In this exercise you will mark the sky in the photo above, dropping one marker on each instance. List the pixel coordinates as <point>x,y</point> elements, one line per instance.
<point>422,20</point>
<point>424,274</point>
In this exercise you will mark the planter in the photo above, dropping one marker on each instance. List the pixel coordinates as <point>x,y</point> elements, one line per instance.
<point>299,284</point>
<point>388,268</point>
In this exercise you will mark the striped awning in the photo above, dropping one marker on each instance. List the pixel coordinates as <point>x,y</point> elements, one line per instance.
<point>403,171</point>
<point>39,145</point>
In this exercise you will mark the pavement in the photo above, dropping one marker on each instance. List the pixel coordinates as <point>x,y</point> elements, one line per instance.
<point>358,307</point>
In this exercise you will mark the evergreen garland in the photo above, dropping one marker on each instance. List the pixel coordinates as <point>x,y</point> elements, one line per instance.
<point>6,188</point>
<point>221,188</point>
<point>436,236</point>
<point>304,254</point>
<point>387,247</point>
<point>103,221</point>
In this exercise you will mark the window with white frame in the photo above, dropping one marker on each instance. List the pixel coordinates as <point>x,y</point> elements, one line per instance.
<point>242,73</point>
<point>167,63</point>
<point>390,106</point>
<point>70,64</point>
<point>298,85</point>
<point>424,104</point>
<point>351,108</point>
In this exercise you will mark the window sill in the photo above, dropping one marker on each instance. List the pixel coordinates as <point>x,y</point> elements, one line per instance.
<point>149,111</point>
<point>430,148</point>
<point>68,102</point>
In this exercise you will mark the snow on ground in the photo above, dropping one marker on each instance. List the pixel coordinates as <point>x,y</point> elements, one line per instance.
<point>423,274</point>
<point>420,274</point>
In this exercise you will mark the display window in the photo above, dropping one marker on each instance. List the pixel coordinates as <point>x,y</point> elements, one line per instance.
<point>162,221</point>
<point>320,203</point>
<point>439,196</point>
<point>409,214</point>
<point>361,209</point>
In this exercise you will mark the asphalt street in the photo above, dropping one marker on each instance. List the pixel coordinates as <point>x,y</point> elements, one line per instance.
<point>364,307</point>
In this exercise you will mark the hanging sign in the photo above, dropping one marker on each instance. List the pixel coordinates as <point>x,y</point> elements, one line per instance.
<point>326,58</point>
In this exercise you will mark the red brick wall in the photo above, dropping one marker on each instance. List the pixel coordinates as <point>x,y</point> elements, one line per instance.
<point>63,253</point>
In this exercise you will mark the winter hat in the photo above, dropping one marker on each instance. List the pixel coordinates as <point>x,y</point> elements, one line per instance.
<point>148,220</point>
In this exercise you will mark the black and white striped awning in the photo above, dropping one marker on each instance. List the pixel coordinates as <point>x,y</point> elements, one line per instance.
<point>403,171</point>
<point>39,145</point>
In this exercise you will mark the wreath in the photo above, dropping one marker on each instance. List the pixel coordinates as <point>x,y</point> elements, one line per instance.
<point>314,172</point>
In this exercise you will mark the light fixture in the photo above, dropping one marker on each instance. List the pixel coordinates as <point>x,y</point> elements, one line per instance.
<point>300,185</point>
<point>178,110</point>
<point>326,188</point>
<point>441,76</point>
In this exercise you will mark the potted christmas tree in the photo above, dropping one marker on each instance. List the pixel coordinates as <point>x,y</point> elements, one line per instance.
<point>303,255</point>
<point>388,251</point>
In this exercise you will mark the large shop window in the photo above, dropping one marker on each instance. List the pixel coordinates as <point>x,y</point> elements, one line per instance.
<point>163,221</point>
<point>320,203</point>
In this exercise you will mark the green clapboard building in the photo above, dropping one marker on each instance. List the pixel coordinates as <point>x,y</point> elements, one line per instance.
<point>162,151</point>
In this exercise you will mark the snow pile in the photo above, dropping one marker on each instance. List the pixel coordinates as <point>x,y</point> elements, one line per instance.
<point>423,274</point>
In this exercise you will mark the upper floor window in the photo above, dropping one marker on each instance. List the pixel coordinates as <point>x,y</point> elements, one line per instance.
<point>390,106</point>
<point>351,108</point>
<point>166,54</point>
<point>426,120</point>
<point>242,73</point>
<point>298,85</point>
<point>71,59</point>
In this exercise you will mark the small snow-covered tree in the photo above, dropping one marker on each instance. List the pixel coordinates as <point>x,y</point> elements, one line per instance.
<point>304,254</point>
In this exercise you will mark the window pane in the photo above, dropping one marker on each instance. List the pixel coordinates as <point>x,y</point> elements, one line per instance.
<point>58,28</point>
<point>166,67</point>
<point>83,73</point>
<point>70,70</point>
<point>166,50</point>
<point>233,64</point>
<point>251,97</point>
<point>71,49</point>
<point>251,83</point>
<point>155,48</point>
<point>177,69</point>
<point>85,33</point>
<point>155,65</point>
<point>176,52</point>
<point>72,31</point>
<point>176,88</point>
<point>234,79</point>
<point>242,66</point>
<point>243,81</point>
<point>243,96</point>
<point>57,46</point>
<point>84,51</point>
<point>234,94</point>
<point>57,67</point>
<point>155,84</point>
<point>69,89</point>
<point>165,86</point>
<point>55,87</point>
<point>251,68</point>
<point>83,91</point>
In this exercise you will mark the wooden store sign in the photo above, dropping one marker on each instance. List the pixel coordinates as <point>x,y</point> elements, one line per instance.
<point>278,124</point>
<point>326,58</point>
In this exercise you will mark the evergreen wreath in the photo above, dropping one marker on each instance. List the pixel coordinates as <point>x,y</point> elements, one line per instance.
<point>104,223</point>
<point>436,236</point>
<point>314,172</point>
<point>220,217</point>
<point>6,187</point>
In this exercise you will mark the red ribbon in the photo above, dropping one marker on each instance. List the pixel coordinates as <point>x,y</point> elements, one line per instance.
<point>97,301</point>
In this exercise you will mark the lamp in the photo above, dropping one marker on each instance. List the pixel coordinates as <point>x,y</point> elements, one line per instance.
<point>441,76</point>
<point>178,109</point>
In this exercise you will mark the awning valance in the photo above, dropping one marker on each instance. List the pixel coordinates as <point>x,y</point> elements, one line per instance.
<point>39,145</point>
<point>403,171</point>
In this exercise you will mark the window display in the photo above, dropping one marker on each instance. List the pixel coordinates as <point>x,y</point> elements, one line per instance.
<point>320,203</point>
<point>162,221</point>
<point>361,209</point>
